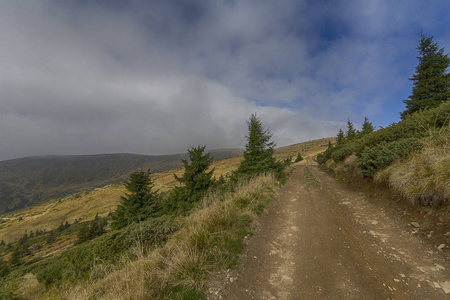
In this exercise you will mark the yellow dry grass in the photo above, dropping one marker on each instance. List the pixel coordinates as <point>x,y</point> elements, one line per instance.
<point>86,205</point>
<point>425,177</point>
<point>307,149</point>
<point>51,214</point>
<point>182,261</point>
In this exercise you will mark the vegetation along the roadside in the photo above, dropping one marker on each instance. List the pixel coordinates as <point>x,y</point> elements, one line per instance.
<point>154,245</point>
<point>413,155</point>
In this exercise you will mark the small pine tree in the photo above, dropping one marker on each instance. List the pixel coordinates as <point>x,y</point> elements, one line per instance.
<point>221,180</point>
<point>51,237</point>
<point>4,268</point>
<point>340,137</point>
<point>367,127</point>
<point>61,227</point>
<point>431,82</point>
<point>351,132</point>
<point>195,181</point>
<point>83,233</point>
<point>139,204</point>
<point>21,250</point>
<point>299,157</point>
<point>92,229</point>
<point>195,178</point>
<point>259,151</point>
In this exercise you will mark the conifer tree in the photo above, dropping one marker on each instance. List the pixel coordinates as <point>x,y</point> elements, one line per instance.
<point>259,150</point>
<point>139,204</point>
<point>351,132</point>
<point>51,238</point>
<point>431,82</point>
<point>299,157</point>
<point>195,181</point>
<point>4,268</point>
<point>16,256</point>
<point>195,178</point>
<point>367,127</point>
<point>92,229</point>
<point>340,137</point>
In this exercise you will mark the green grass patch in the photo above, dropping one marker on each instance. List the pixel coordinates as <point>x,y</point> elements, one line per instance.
<point>310,180</point>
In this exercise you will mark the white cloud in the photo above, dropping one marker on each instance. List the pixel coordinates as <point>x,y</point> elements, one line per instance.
<point>159,76</point>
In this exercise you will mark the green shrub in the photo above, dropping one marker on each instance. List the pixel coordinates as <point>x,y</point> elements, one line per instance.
<point>325,156</point>
<point>4,268</point>
<point>414,126</point>
<point>75,264</point>
<point>299,157</point>
<point>384,154</point>
<point>340,153</point>
<point>8,289</point>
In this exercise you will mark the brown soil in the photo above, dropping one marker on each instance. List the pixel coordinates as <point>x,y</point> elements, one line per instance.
<point>322,239</point>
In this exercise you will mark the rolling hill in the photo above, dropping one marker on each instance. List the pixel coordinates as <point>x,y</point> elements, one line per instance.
<point>85,205</point>
<point>31,180</point>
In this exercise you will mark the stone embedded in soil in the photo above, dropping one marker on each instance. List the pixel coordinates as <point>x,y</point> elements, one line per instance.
<point>415,224</point>
<point>441,246</point>
<point>445,286</point>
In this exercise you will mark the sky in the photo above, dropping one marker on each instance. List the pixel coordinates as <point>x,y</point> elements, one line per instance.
<point>159,77</point>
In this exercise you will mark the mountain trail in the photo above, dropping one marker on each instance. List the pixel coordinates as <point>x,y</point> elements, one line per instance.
<point>321,240</point>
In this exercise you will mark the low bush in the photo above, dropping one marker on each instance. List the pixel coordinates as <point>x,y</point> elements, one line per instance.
<point>384,154</point>
<point>381,148</point>
<point>323,157</point>
<point>340,153</point>
<point>75,264</point>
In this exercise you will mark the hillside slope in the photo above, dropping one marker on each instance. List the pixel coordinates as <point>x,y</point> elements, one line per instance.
<point>85,205</point>
<point>31,180</point>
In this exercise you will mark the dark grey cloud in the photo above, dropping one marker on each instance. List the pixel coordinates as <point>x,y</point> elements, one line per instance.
<point>158,77</point>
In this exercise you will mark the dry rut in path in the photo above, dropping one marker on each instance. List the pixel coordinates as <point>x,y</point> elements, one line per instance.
<point>322,241</point>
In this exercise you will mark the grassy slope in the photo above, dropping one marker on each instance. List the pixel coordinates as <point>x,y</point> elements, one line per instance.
<point>234,212</point>
<point>209,241</point>
<point>424,178</point>
<point>421,174</point>
<point>86,205</point>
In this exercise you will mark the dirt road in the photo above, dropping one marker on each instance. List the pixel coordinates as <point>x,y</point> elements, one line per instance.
<point>321,240</point>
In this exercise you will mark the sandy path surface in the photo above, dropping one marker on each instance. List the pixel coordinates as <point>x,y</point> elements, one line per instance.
<point>321,240</point>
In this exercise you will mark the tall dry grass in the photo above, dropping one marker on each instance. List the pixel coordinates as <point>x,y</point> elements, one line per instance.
<point>210,240</point>
<point>425,177</point>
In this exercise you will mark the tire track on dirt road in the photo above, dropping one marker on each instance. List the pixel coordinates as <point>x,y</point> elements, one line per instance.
<point>320,240</point>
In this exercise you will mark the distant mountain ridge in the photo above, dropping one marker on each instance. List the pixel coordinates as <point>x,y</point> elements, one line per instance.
<point>30,180</point>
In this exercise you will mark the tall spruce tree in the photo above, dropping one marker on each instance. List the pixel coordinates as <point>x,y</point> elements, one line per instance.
<point>259,150</point>
<point>139,204</point>
<point>431,82</point>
